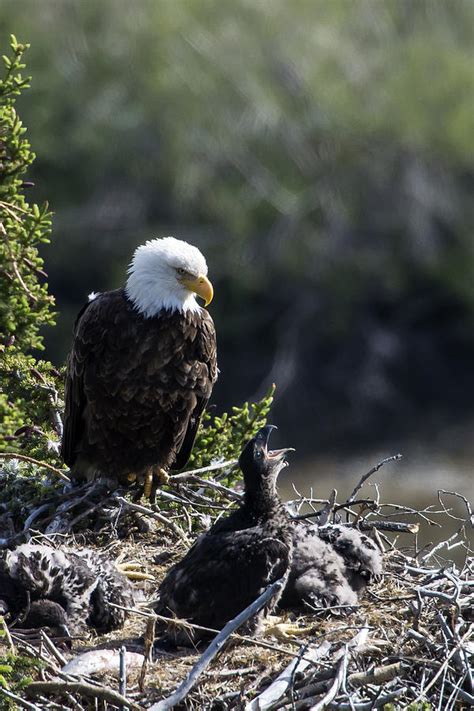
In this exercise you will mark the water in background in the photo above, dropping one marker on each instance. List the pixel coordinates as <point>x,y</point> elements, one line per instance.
<point>412,481</point>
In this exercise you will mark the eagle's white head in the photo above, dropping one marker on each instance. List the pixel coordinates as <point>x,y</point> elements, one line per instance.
<point>167,273</point>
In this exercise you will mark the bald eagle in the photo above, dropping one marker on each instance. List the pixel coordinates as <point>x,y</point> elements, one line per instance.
<point>69,590</point>
<point>141,369</point>
<point>231,565</point>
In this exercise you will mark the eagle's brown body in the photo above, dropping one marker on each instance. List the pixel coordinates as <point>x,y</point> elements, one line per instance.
<point>136,387</point>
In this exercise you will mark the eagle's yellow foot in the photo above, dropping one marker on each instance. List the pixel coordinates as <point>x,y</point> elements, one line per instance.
<point>154,476</point>
<point>132,570</point>
<point>161,476</point>
<point>284,631</point>
<point>148,483</point>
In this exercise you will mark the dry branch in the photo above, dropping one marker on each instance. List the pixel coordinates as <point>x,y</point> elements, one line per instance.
<point>23,458</point>
<point>102,693</point>
<point>283,682</point>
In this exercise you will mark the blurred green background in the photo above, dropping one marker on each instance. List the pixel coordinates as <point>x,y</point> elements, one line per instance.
<point>319,152</point>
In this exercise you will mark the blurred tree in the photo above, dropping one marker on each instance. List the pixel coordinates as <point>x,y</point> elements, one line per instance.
<point>28,390</point>
<point>321,154</point>
<point>25,304</point>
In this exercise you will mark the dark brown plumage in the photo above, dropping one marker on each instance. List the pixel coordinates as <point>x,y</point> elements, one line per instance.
<point>137,383</point>
<point>229,566</point>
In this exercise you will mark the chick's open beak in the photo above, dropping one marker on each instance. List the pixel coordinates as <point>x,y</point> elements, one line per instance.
<point>262,437</point>
<point>201,286</point>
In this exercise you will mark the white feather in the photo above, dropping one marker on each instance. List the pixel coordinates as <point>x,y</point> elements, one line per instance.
<point>153,282</point>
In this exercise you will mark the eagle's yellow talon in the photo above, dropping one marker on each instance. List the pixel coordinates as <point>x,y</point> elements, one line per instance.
<point>148,484</point>
<point>285,631</point>
<point>132,571</point>
<point>162,476</point>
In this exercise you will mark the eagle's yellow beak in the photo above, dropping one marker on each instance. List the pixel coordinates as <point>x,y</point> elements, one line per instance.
<point>201,286</point>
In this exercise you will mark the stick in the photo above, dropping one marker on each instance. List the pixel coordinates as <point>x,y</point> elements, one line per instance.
<point>8,636</point>
<point>24,458</point>
<point>378,675</point>
<point>212,467</point>
<point>52,649</point>
<point>122,673</point>
<point>80,687</point>
<point>381,701</point>
<point>375,469</point>
<point>335,686</point>
<point>443,666</point>
<point>328,508</point>
<point>18,700</point>
<point>33,516</point>
<point>148,642</point>
<point>216,645</point>
<point>211,484</point>
<point>154,514</point>
<point>394,526</point>
<point>282,683</point>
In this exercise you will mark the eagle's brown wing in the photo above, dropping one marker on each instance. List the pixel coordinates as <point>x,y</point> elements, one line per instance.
<point>206,354</point>
<point>75,400</point>
<point>122,367</point>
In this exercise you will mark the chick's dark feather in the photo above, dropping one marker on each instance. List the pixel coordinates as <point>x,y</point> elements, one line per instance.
<point>231,565</point>
<point>82,582</point>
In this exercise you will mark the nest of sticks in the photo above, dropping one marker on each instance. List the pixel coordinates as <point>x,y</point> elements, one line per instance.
<point>408,643</point>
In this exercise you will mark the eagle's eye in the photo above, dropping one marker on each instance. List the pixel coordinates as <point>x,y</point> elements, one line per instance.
<point>181,271</point>
<point>259,454</point>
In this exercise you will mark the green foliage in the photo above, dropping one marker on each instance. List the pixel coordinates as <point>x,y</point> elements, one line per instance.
<point>16,672</point>
<point>25,304</point>
<point>28,389</point>
<point>223,437</point>
<point>30,400</point>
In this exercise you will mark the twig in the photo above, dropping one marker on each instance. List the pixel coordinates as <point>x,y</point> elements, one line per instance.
<point>149,640</point>
<point>393,526</point>
<point>282,683</point>
<point>33,516</point>
<point>52,649</point>
<point>380,702</point>
<point>18,700</point>
<point>335,686</point>
<point>375,469</point>
<point>459,496</point>
<point>211,468</point>
<point>327,509</point>
<point>377,675</point>
<point>7,633</point>
<point>211,484</point>
<point>216,646</point>
<point>154,514</point>
<point>122,673</point>
<point>24,458</point>
<point>433,681</point>
<point>82,688</point>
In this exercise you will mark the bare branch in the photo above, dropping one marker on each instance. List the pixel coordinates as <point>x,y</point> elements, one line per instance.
<point>375,469</point>
<point>23,458</point>
<point>102,693</point>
